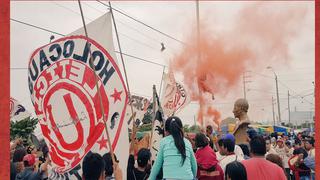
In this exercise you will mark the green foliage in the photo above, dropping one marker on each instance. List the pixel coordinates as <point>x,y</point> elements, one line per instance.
<point>192,129</point>
<point>195,129</point>
<point>23,128</point>
<point>186,128</point>
<point>145,127</point>
<point>147,118</point>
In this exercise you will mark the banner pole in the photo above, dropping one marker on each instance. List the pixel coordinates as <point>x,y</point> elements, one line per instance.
<point>123,64</point>
<point>154,114</point>
<point>97,86</point>
<point>164,67</point>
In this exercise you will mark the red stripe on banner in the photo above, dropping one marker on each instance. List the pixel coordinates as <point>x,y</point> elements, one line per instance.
<point>4,91</point>
<point>317,98</point>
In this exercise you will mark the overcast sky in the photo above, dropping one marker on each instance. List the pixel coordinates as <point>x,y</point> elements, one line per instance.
<point>173,18</point>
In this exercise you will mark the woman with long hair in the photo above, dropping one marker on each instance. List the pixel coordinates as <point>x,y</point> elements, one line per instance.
<point>175,154</point>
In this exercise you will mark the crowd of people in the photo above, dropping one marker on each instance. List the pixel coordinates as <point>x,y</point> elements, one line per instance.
<point>204,157</point>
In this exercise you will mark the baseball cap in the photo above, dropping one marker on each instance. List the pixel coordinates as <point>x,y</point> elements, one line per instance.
<point>229,136</point>
<point>30,159</point>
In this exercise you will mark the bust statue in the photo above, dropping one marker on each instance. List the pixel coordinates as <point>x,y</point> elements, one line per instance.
<point>240,111</point>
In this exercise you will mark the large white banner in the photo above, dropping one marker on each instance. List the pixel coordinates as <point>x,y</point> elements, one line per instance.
<point>67,103</point>
<point>101,31</point>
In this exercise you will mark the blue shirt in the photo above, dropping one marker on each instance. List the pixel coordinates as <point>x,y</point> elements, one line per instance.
<point>170,159</point>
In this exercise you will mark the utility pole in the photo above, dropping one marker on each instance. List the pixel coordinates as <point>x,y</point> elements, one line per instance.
<point>274,119</point>
<point>244,79</point>
<point>277,90</point>
<point>289,107</point>
<point>278,101</point>
<point>199,52</point>
<point>244,86</point>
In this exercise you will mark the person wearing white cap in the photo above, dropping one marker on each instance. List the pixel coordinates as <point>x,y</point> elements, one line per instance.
<point>283,151</point>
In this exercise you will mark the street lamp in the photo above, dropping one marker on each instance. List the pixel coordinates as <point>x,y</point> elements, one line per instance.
<point>277,91</point>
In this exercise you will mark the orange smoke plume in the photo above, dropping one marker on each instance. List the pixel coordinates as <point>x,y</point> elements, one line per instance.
<point>217,64</point>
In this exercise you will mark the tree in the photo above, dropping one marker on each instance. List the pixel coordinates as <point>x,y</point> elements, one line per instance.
<point>23,128</point>
<point>147,118</point>
<point>145,127</point>
<point>195,129</point>
<point>186,128</point>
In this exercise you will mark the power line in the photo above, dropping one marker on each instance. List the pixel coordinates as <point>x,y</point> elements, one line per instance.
<point>70,10</point>
<point>128,55</point>
<point>297,80</point>
<point>285,86</point>
<point>31,25</point>
<point>128,26</point>
<point>302,98</point>
<point>47,30</point>
<point>135,57</point>
<point>263,75</point>
<point>122,34</point>
<point>139,42</point>
<point>124,23</point>
<point>87,4</point>
<point>150,27</point>
<point>263,91</point>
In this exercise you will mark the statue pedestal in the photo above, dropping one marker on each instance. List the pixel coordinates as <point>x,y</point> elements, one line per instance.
<point>240,133</point>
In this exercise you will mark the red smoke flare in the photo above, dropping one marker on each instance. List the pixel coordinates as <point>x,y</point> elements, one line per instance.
<point>261,32</point>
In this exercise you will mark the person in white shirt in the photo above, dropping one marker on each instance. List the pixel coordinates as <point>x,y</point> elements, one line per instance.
<point>289,154</point>
<point>270,149</point>
<point>227,150</point>
<point>280,148</point>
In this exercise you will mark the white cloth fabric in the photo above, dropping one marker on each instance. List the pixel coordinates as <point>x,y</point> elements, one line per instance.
<point>228,159</point>
<point>271,151</point>
<point>238,151</point>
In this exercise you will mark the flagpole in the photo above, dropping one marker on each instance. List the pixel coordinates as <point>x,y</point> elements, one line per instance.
<point>123,64</point>
<point>97,86</point>
<point>199,56</point>
<point>154,114</point>
<point>164,67</point>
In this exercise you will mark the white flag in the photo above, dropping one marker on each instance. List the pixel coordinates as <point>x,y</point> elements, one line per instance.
<point>175,96</point>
